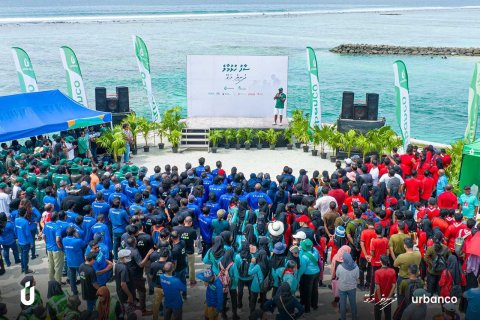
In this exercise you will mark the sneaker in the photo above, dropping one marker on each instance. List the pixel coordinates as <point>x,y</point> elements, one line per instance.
<point>280,124</point>
<point>274,124</point>
<point>29,271</point>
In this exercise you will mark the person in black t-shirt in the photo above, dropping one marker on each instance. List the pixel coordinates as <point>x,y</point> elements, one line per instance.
<point>188,234</point>
<point>179,257</point>
<point>88,281</point>
<point>136,266</point>
<point>123,280</point>
<point>156,269</point>
<point>144,244</point>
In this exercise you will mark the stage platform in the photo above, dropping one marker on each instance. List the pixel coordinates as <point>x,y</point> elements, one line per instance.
<point>234,123</point>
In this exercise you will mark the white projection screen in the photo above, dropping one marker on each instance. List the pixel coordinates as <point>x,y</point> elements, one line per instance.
<point>234,86</point>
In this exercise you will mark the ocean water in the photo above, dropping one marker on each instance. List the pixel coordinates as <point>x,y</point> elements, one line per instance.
<point>100,33</point>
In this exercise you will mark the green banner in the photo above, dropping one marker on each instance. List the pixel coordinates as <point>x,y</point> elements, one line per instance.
<point>26,75</point>
<point>315,106</point>
<point>402,100</point>
<point>473,102</point>
<point>75,86</point>
<point>143,62</point>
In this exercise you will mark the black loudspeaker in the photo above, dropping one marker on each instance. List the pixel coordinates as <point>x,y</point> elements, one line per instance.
<point>360,112</point>
<point>117,118</point>
<point>372,106</point>
<point>112,104</point>
<point>123,99</point>
<point>362,126</point>
<point>101,99</point>
<point>347,105</point>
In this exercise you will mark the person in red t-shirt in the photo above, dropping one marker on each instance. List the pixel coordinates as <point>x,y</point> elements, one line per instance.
<point>446,159</point>
<point>378,248</point>
<point>453,231</point>
<point>385,284</point>
<point>447,199</point>
<point>399,216</point>
<point>440,222</point>
<point>413,188</point>
<point>432,210</point>
<point>337,193</point>
<point>364,264</point>
<point>421,167</point>
<point>407,162</point>
<point>428,185</point>
<point>355,197</point>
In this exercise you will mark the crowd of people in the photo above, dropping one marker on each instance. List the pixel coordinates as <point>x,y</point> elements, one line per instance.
<point>390,227</point>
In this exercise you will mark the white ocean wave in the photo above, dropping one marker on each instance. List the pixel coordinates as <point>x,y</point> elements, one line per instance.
<point>206,16</point>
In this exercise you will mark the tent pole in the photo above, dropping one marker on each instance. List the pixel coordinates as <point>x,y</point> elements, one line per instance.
<point>111,125</point>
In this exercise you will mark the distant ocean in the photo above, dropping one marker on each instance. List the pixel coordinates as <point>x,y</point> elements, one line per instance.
<point>100,34</point>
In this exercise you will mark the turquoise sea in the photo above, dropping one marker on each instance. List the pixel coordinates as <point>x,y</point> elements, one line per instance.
<point>100,33</point>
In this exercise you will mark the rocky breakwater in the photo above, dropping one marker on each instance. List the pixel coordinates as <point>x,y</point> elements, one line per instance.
<point>369,49</point>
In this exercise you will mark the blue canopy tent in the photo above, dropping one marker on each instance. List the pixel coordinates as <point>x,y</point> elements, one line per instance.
<point>31,114</point>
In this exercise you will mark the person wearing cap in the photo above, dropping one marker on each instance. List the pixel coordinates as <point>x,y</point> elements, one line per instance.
<point>173,288</point>
<point>124,281</point>
<point>69,147</point>
<point>468,203</point>
<point>214,294</point>
<point>297,237</point>
<point>307,227</point>
<point>308,275</point>
<point>280,99</point>
<point>88,281</point>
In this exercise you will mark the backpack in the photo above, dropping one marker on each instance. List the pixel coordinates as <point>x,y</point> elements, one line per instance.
<point>243,270</point>
<point>339,241</point>
<point>412,286</point>
<point>459,243</point>
<point>386,231</point>
<point>359,227</point>
<point>345,222</point>
<point>439,263</point>
<point>225,276</point>
<point>267,283</point>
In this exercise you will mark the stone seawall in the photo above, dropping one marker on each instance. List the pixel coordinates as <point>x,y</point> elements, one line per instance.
<point>368,49</point>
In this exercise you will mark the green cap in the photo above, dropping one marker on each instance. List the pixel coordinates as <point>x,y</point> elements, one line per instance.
<point>62,162</point>
<point>77,159</point>
<point>114,167</point>
<point>19,157</point>
<point>20,179</point>
<point>134,170</point>
<point>306,245</point>
<point>30,190</point>
<point>124,168</point>
<point>86,161</point>
<point>22,173</point>
<point>3,185</point>
<point>69,139</point>
<point>37,155</point>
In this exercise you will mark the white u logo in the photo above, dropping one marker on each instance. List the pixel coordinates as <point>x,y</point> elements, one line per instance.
<point>31,293</point>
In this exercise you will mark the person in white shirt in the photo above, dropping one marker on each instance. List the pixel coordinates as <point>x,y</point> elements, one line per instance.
<point>323,203</point>
<point>374,172</point>
<point>386,177</point>
<point>69,147</point>
<point>17,187</point>
<point>4,199</point>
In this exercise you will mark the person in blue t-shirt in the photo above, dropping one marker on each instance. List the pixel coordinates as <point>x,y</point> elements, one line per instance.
<point>118,193</point>
<point>214,294</point>
<point>206,230</point>
<point>24,236</point>
<point>7,240</point>
<point>119,219</point>
<point>107,190</point>
<point>73,246</point>
<point>49,198</point>
<point>54,252</point>
<point>102,265</point>
<point>253,197</point>
<point>212,205</point>
<point>71,214</point>
<point>100,206</point>
<point>196,210</point>
<point>224,200</point>
<point>101,227</point>
<point>131,190</point>
<point>138,204</point>
<point>88,222</point>
<point>173,289</point>
<point>217,187</point>
<point>61,192</point>
<point>201,167</point>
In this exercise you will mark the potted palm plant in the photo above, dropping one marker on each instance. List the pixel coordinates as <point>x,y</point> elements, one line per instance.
<point>213,137</point>
<point>239,136</point>
<point>114,141</point>
<point>366,143</point>
<point>132,121</point>
<point>248,135</point>
<point>161,132</point>
<point>260,136</point>
<point>348,141</point>
<point>315,139</point>
<point>271,136</point>
<point>324,134</point>
<point>174,138</point>
<point>228,135</point>
<point>304,138</point>
<point>145,127</point>
<point>333,141</point>
<point>299,125</point>
<point>288,136</point>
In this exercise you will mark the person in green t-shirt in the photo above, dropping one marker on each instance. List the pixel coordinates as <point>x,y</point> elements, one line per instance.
<point>83,145</point>
<point>280,99</point>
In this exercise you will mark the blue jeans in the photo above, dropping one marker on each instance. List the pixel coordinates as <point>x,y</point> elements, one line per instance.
<point>72,278</point>
<point>24,248</point>
<point>351,294</point>
<point>34,236</point>
<point>182,276</point>
<point>117,240</point>
<point>126,155</point>
<point>410,205</point>
<point>91,304</point>
<point>6,253</point>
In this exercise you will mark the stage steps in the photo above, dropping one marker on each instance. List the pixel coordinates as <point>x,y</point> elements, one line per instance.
<point>196,139</point>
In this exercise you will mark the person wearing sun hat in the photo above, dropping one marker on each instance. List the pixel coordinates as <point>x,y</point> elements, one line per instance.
<point>277,263</point>
<point>308,275</point>
<point>276,228</point>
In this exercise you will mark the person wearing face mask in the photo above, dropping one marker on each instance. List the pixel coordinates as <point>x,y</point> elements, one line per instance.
<point>124,281</point>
